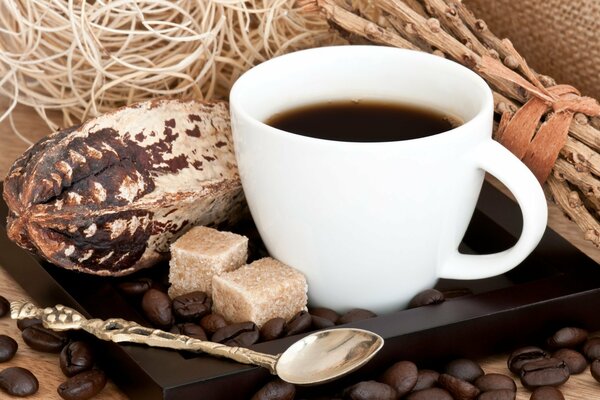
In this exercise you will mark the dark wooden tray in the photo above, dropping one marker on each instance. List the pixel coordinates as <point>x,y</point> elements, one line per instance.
<point>557,285</point>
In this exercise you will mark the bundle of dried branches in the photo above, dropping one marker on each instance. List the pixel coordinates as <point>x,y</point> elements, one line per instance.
<point>554,130</point>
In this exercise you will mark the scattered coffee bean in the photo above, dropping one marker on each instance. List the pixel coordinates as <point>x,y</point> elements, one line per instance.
<point>242,334</point>
<point>567,337</point>
<point>272,329</point>
<point>136,287</point>
<point>27,322</point>
<point>370,390</point>
<point>321,323</point>
<point>18,381</point>
<point>82,386</point>
<point>547,372</point>
<point>547,393</point>
<point>4,306</point>
<point>500,394</point>
<point>458,388</point>
<point>189,329</point>
<point>39,338</point>
<point>357,314</point>
<point>595,369</point>
<point>575,361</point>
<point>591,349</point>
<point>464,369</point>
<point>212,323</point>
<point>402,376</point>
<point>299,324</point>
<point>522,356</point>
<point>324,312</point>
<point>430,394</point>
<point>157,308</point>
<point>192,306</point>
<point>76,357</point>
<point>489,382</point>
<point>426,379</point>
<point>276,390</point>
<point>426,298</point>
<point>8,348</point>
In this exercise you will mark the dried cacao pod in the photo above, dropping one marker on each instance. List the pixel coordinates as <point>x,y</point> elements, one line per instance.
<point>109,196</point>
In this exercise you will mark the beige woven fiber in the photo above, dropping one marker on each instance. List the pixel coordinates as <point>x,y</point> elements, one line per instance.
<point>560,38</point>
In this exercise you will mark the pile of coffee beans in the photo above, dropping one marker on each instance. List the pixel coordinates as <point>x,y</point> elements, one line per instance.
<point>461,379</point>
<point>14,381</point>
<point>190,314</point>
<point>540,370</point>
<point>76,361</point>
<point>567,352</point>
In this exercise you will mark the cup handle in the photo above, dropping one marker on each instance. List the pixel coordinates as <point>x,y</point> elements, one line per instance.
<point>500,162</point>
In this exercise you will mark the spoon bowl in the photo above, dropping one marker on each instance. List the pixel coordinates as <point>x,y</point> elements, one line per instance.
<point>326,355</point>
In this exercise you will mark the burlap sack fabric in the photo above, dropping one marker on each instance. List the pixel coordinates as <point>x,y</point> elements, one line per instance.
<point>560,38</point>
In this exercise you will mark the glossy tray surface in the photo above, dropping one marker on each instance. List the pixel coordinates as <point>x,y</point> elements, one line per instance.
<point>555,286</point>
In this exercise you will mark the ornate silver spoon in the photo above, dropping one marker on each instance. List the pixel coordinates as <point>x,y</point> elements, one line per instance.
<point>317,358</point>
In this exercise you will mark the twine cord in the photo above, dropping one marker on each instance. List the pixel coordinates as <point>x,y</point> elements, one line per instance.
<point>86,58</point>
<point>537,142</point>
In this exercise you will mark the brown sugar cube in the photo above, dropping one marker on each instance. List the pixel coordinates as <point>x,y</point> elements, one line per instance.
<point>202,253</point>
<point>259,291</point>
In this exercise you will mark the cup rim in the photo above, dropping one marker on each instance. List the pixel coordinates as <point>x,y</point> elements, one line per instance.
<point>486,103</point>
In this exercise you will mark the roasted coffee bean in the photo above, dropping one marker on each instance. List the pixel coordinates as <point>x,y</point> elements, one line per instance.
<point>157,308</point>
<point>189,329</point>
<point>430,394</point>
<point>192,306</point>
<point>500,394</point>
<point>39,338</point>
<point>522,356</point>
<point>575,361</point>
<point>19,382</point>
<point>547,372</point>
<point>567,337</point>
<point>212,323</point>
<point>135,287</point>
<point>76,357</point>
<point>321,323</point>
<point>357,314</point>
<point>276,390</point>
<point>324,312</point>
<point>489,382</point>
<point>591,349</point>
<point>4,306</point>
<point>27,322</point>
<point>595,369</point>
<point>402,376</point>
<point>426,379</point>
<point>458,388</point>
<point>272,329</point>
<point>82,386</point>
<point>426,298</point>
<point>464,369</point>
<point>301,323</point>
<point>242,334</point>
<point>370,390</point>
<point>547,393</point>
<point>8,348</point>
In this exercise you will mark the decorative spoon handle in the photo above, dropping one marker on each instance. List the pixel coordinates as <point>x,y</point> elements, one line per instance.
<point>61,318</point>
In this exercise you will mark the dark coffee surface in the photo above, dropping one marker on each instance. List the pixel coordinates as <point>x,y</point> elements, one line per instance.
<point>363,121</point>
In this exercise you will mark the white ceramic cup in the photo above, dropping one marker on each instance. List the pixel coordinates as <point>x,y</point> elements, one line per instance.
<point>372,224</point>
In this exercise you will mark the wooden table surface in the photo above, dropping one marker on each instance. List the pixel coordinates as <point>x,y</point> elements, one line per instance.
<point>45,366</point>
